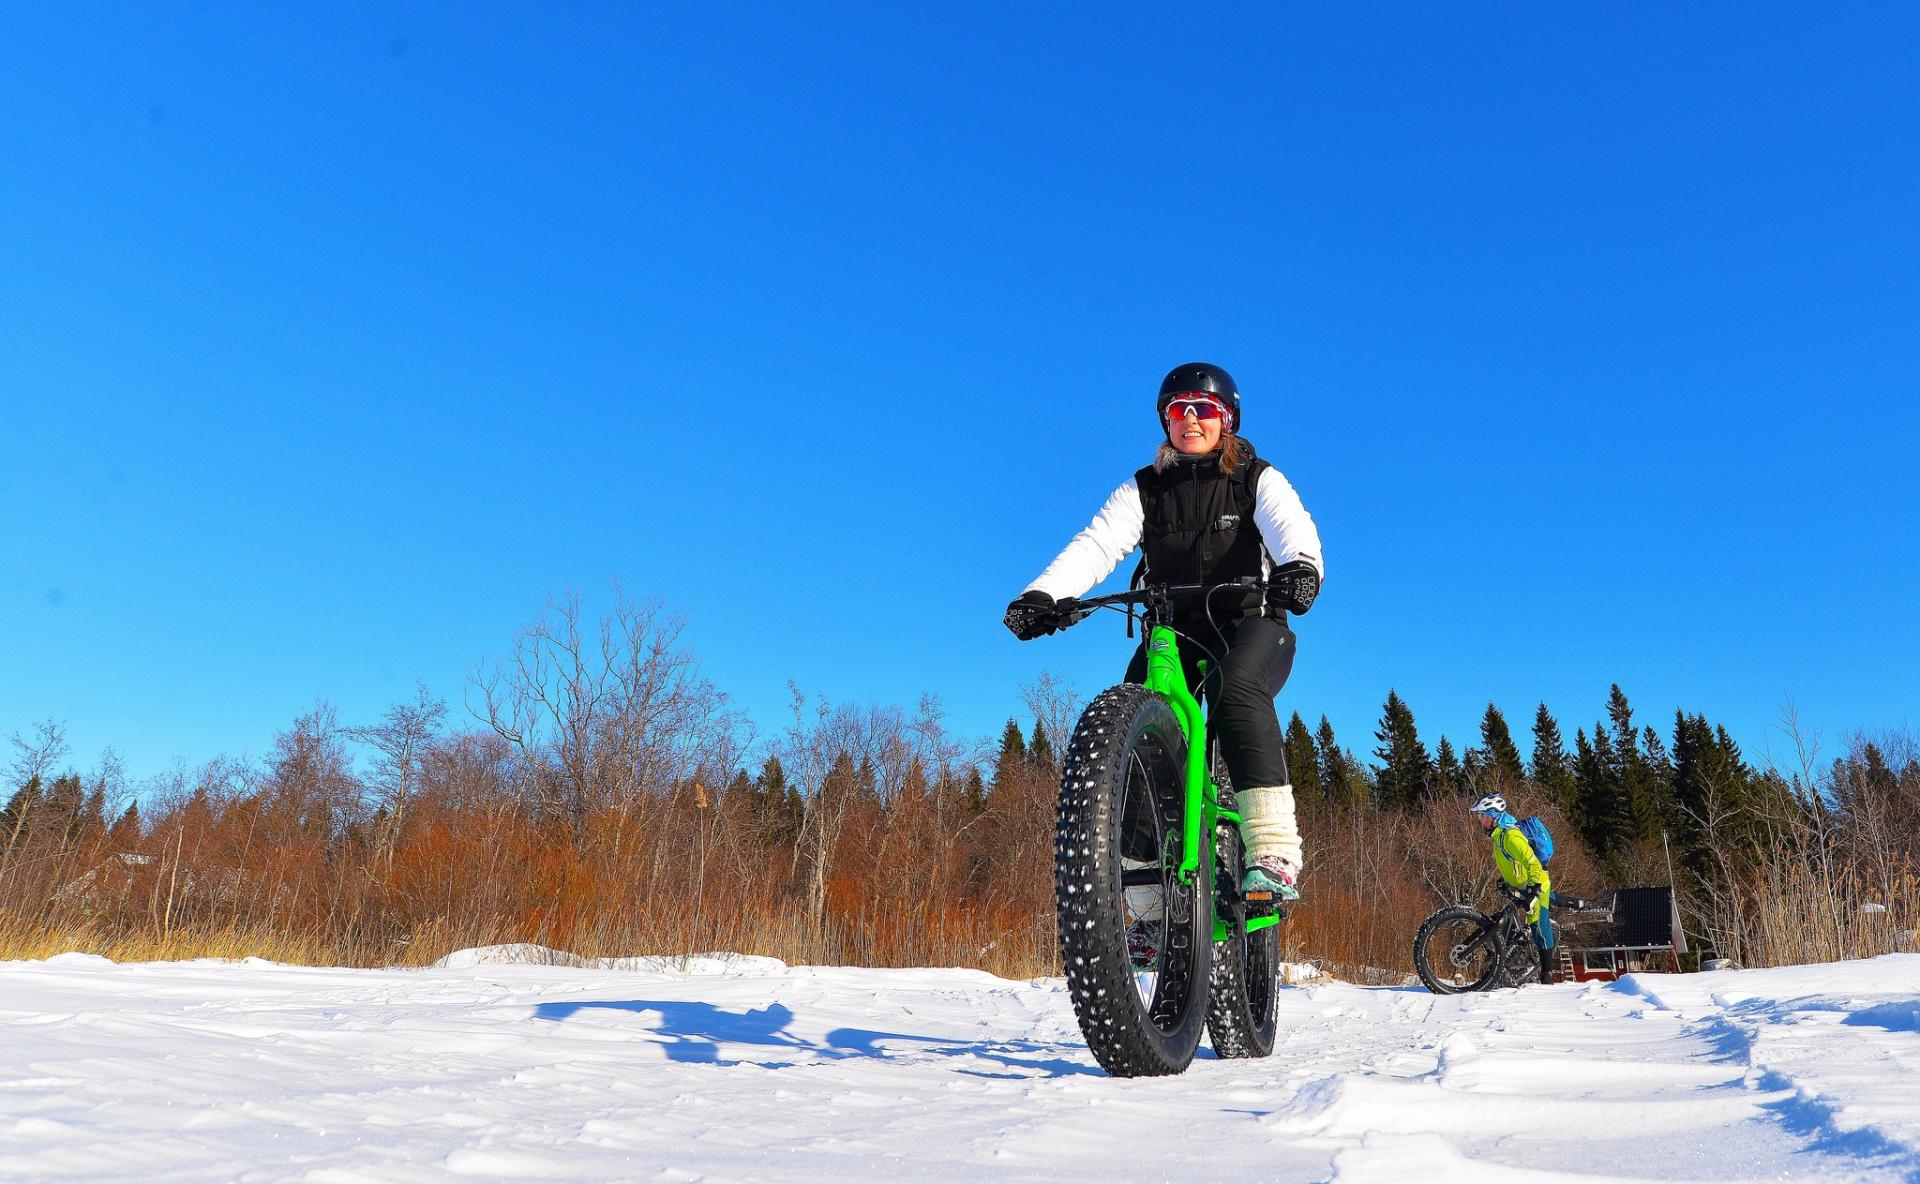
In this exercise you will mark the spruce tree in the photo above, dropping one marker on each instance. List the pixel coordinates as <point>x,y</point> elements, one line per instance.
<point>776,803</point>
<point>1040,753</point>
<point>771,785</point>
<point>975,794</point>
<point>1552,770</point>
<point>1642,793</point>
<point>1659,764</point>
<point>839,786</point>
<point>1500,755</point>
<point>126,833</point>
<point>1862,783</point>
<point>1587,773</point>
<point>739,793</point>
<point>1709,787</point>
<point>1754,794</point>
<point>1406,771</point>
<point>866,781</point>
<point>20,808</point>
<point>913,787</point>
<point>1013,755</point>
<point>1303,765</point>
<point>1449,780</point>
<point>91,822</point>
<point>65,805</point>
<point>1604,819</point>
<point>1340,775</point>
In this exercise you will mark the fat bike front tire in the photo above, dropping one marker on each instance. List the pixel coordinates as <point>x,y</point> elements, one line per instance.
<point>1457,949</point>
<point>1242,1006</point>
<point>1123,791</point>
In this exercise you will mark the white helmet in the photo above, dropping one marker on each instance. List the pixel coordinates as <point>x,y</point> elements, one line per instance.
<point>1490,805</point>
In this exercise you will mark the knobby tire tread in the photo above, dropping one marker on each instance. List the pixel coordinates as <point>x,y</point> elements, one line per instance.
<point>1242,1004</point>
<point>1123,1036</point>
<point>1421,951</point>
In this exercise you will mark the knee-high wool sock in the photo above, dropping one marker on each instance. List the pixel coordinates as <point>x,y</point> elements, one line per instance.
<point>1267,825</point>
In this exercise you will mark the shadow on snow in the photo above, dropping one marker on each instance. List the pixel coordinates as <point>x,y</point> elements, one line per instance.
<point>694,1033</point>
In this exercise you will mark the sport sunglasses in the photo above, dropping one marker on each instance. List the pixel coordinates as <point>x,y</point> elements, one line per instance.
<point>1202,407</point>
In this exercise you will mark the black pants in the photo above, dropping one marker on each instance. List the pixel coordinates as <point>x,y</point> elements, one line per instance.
<point>1255,656</point>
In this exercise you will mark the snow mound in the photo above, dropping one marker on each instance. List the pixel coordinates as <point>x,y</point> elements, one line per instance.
<point>717,963</point>
<point>528,954</point>
<point>78,959</point>
<point>519,953</point>
<point>1292,973</point>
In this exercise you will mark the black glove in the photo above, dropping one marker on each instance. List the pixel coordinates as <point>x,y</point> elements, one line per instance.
<point>1293,586</point>
<point>1036,614</point>
<point>1530,894</point>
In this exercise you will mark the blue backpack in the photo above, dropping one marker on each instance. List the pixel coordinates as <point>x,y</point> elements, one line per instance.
<point>1537,838</point>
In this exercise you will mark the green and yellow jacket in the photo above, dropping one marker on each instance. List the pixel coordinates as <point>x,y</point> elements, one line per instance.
<point>1519,866</point>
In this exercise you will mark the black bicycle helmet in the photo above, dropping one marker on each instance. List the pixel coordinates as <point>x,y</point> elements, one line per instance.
<point>1199,378</point>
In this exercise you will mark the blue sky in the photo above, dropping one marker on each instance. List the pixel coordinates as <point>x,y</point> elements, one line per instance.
<point>332,343</point>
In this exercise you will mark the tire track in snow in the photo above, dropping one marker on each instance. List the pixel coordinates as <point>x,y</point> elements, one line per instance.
<point>1823,1058</point>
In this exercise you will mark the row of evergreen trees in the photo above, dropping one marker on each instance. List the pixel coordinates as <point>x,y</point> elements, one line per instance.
<point>66,807</point>
<point>1621,784</point>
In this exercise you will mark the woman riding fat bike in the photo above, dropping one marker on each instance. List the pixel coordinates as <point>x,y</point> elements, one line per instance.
<point>1208,511</point>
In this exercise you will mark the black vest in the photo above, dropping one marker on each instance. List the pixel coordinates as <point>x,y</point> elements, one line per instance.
<point>1198,528</point>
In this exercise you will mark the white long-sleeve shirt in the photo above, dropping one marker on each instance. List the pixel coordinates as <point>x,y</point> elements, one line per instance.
<point>1285,527</point>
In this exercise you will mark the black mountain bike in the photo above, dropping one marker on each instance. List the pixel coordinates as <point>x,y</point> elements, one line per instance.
<point>1459,948</point>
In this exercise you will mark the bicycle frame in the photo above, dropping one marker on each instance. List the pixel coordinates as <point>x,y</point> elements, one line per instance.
<point>1510,929</point>
<point>1166,679</point>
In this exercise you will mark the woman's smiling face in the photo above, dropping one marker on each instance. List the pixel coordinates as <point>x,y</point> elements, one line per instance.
<point>1188,432</point>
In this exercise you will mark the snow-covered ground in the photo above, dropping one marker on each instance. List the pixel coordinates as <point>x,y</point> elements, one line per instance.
<point>744,1069</point>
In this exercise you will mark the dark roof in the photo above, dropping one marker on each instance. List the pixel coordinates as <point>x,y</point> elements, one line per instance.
<point>1640,918</point>
<point>1644,915</point>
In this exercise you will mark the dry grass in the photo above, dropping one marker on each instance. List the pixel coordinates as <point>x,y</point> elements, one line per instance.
<point>23,940</point>
<point>893,856</point>
<point>1797,913</point>
<point>1024,950</point>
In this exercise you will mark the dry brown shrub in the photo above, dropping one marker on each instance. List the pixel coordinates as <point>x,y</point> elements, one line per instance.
<point>882,846</point>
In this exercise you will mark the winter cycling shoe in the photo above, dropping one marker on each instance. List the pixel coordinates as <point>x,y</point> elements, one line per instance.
<point>1270,879</point>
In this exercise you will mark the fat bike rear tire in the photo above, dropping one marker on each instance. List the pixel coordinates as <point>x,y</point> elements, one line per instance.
<point>1242,1006</point>
<point>1519,963</point>
<point>1520,959</point>
<point>1122,791</point>
<point>1457,949</point>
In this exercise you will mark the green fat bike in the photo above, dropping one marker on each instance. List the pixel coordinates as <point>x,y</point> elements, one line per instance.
<point>1147,820</point>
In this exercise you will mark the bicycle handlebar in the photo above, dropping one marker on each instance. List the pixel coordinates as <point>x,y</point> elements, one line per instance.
<point>1157,595</point>
<point>1519,899</point>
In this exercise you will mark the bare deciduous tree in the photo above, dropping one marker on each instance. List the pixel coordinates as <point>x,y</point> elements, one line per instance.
<point>608,720</point>
<point>34,756</point>
<point>1055,707</point>
<point>401,738</point>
